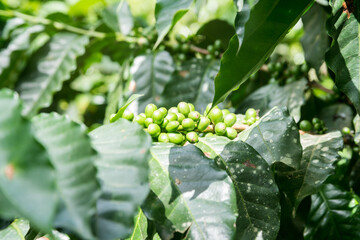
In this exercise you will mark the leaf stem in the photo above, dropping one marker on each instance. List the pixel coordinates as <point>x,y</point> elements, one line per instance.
<point>62,26</point>
<point>317,85</point>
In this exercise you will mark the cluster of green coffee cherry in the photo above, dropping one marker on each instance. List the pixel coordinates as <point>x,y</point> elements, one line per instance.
<point>183,123</point>
<point>315,125</point>
<point>284,72</point>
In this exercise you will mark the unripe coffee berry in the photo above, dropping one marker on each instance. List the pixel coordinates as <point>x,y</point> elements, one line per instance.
<point>154,130</point>
<point>148,121</point>
<point>203,123</point>
<point>250,113</point>
<point>230,119</point>
<point>216,116</point>
<point>183,108</point>
<point>220,129</point>
<point>194,115</point>
<point>163,137</point>
<point>192,137</point>
<point>158,116</point>
<point>128,115</point>
<point>188,124</point>
<point>172,126</point>
<point>231,133</point>
<point>171,116</point>
<point>176,138</point>
<point>140,120</point>
<point>149,110</point>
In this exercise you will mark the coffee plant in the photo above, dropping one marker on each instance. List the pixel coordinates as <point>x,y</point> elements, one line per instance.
<point>179,119</point>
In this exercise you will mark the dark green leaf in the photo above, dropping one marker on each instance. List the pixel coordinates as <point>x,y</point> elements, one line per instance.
<point>269,22</point>
<point>337,116</point>
<point>151,74</point>
<point>275,137</point>
<point>331,217</point>
<point>343,57</point>
<point>193,83</point>
<point>257,193</point>
<point>14,57</point>
<point>10,26</point>
<point>167,14</point>
<point>215,29</point>
<point>123,174</point>
<point>118,17</point>
<point>71,154</point>
<point>319,154</point>
<point>315,41</point>
<point>265,98</point>
<point>123,108</point>
<point>189,191</point>
<point>28,182</point>
<point>48,69</point>
<point>140,227</point>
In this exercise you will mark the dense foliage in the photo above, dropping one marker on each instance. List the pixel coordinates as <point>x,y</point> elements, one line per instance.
<point>169,119</point>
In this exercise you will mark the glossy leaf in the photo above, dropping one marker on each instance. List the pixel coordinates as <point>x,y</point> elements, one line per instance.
<point>319,154</point>
<point>331,217</point>
<point>123,108</point>
<point>118,17</point>
<point>275,137</point>
<point>193,83</point>
<point>343,57</point>
<point>28,177</point>
<point>257,193</point>
<point>16,231</point>
<point>140,227</point>
<point>315,41</point>
<point>189,192</point>
<point>10,26</point>
<point>151,74</point>
<point>337,116</point>
<point>13,58</point>
<point>71,154</point>
<point>242,16</point>
<point>356,122</point>
<point>48,69</point>
<point>268,23</point>
<point>265,98</point>
<point>123,175</point>
<point>167,14</point>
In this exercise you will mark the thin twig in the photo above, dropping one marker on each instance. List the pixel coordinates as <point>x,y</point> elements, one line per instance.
<point>237,127</point>
<point>199,50</point>
<point>317,85</point>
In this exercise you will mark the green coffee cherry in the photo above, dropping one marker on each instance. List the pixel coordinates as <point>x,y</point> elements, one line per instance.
<point>220,129</point>
<point>225,112</point>
<point>315,121</point>
<point>171,116</point>
<point>192,137</point>
<point>183,108</point>
<point>176,138</point>
<point>154,130</point>
<point>140,120</point>
<point>188,124</point>
<point>231,133</point>
<point>143,115</point>
<point>172,126</point>
<point>203,123</point>
<point>128,115</point>
<point>208,109</point>
<point>210,48</point>
<point>148,121</point>
<point>173,110</point>
<point>180,117</point>
<point>194,115</point>
<point>305,125</point>
<point>164,123</point>
<point>230,119</point>
<point>216,115</point>
<point>163,137</point>
<point>251,121</point>
<point>317,126</point>
<point>158,116</point>
<point>250,113</point>
<point>217,44</point>
<point>163,110</point>
<point>346,130</point>
<point>191,106</point>
<point>182,57</point>
<point>149,110</point>
<point>209,134</point>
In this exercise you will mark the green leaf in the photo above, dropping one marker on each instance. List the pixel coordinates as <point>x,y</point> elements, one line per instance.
<point>28,182</point>
<point>189,192</point>
<point>331,216</point>
<point>242,16</point>
<point>118,17</point>
<point>16,231</point>
<point>123,108</point>
<point>167,14</point>
<point>48,69</point>
<point>123,174</point>
<point>193,83</point>
<point>337,116</point>
<point>268,23</point>
<point>151,74</point>
<point>140,228</point>
<point>315,41</point>
<point>257,193</point>
<point>11,25</point>
<point>71,153</point>
<point>265,98</point>
<point>319,154</point>
<point>213,30</point>
<point>14,57</point>
<point>356,123</point>
<point>343,56</point>
<point>275,137</point>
